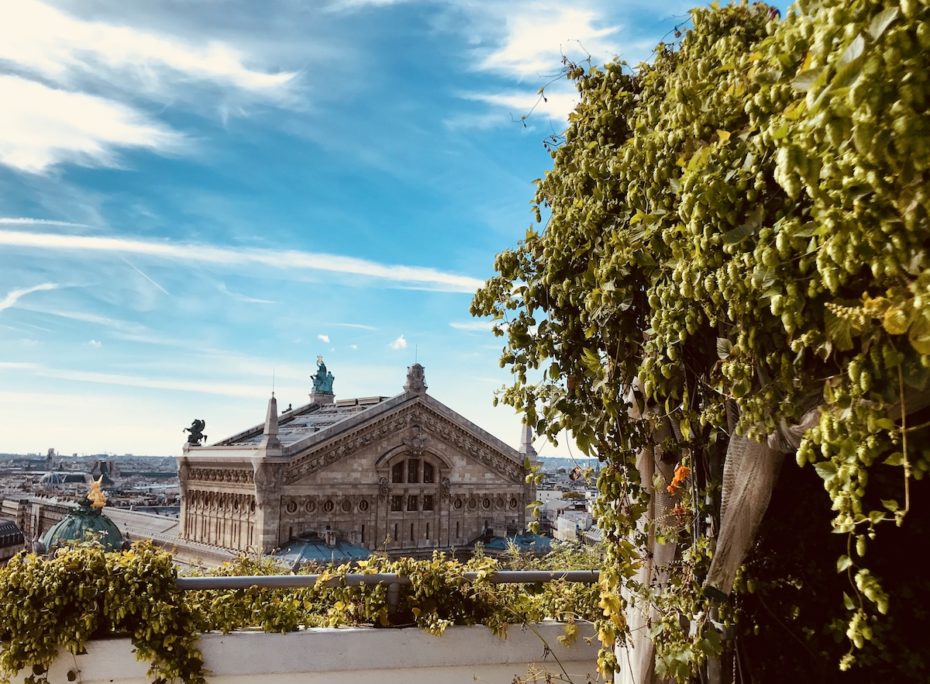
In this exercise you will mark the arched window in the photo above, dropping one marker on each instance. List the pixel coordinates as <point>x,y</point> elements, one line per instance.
<point>414,471</point>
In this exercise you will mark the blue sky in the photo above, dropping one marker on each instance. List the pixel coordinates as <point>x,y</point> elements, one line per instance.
<point>196,197</point>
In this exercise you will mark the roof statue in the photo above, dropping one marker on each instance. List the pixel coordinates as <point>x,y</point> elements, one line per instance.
<point>96,496</point>
<point>323,379</point>
<point>196,432</point>
<point>416,379</point>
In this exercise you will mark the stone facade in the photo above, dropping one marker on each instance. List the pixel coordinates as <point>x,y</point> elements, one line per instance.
<point>404,474</point>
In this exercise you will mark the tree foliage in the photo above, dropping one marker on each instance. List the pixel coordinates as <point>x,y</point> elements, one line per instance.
<point>744,221</point>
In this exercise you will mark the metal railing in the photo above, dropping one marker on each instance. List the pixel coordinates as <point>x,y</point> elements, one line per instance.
<point>393,581</point>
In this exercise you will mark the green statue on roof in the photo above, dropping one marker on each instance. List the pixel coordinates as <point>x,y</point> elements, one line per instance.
<point>323,379</point>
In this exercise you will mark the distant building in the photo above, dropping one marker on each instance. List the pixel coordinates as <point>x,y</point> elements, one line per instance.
<point>405,474</point>
<point>11,540</point>
<point>60,477</point>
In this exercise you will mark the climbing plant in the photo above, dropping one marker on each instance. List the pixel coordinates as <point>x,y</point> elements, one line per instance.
<point>738,228</point>
<point>81,593</point>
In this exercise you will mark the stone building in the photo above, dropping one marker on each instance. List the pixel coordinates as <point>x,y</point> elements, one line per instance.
<point>405,474</point>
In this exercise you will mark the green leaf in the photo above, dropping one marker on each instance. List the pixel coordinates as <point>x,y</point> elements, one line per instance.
<point>804,80</point>
<point>724,347</point>
<point>896,459</point>
<point>826,470</point>
<point>854,51</point>
<point>839,330</point>
<point>843,562</point>
<point>890,504</point>
<point>881,21</point>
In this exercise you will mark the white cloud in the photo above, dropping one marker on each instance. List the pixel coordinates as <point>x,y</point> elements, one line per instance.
<point>106,322</point>
<point>557,103</point>
<point>69,81</point>
<point>161,383</point>
<point>353,346</point>
<point>399,343</point>
<point>42,126</point>
<point>472,326</point>
<point>244,298</point>
<point>344,5</point>
<point>17,365</point>
<point>537,35</point>
<point>96,344</point>
<point>57,45</point>
<point>354,326</point>
<point>233,256</point>
<point>323,338</point>
<point>26,221</point>
<point>13,296</point>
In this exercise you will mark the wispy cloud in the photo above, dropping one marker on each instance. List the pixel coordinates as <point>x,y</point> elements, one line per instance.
<point>58,46</point>
<point>472,326</point>
<point>84,317</point>
<point>347,5</point>
<point>73,86</point>
<point>173,384</point>
<point>13,296</point>
<point>354,326</point>
<point>96,344</point>
<point>233,256</point>
<point>399,343</point>
<point>323,338</point>
<point>17,365</point>
<point>41,126</point>
<point>27,221</point>
<point>238,296</point>
<point>146,276</point>
<point>555,104</point>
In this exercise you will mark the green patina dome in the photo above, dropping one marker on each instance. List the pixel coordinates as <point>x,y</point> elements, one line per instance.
<point>80,525</point>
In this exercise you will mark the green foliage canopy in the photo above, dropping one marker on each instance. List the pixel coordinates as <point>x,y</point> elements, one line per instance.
<point>745,220</point>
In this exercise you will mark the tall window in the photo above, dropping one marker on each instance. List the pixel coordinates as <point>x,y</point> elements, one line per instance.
<point>397,502</point>
<point>413,470</point>
<point>429,474</point>
<point>397,472</point>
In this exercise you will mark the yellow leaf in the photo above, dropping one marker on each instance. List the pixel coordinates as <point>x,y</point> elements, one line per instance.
<point>919,335</point>
<point>895,320</point>
<point>723,135</point>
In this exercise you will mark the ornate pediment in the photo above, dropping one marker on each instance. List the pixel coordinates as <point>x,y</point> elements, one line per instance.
<point>426,425</point>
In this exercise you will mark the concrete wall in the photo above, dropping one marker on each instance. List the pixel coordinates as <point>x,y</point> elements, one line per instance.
<point>463,655</point>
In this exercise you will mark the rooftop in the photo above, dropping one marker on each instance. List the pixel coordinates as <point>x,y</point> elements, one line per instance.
<point>296,424</point>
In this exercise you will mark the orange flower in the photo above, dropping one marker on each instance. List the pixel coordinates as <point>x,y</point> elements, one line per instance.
<point>681,472</point>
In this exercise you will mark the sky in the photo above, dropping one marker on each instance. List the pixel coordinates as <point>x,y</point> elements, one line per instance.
<point>197,199</point>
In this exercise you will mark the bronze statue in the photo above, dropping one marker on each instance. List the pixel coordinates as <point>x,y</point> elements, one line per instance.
<point>323,379</point>
<point>196,432</point>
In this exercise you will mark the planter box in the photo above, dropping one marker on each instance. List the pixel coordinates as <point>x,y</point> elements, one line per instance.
<point>463,655</point>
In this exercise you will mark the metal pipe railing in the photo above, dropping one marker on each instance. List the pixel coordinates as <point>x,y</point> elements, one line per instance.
<point>299,581</point>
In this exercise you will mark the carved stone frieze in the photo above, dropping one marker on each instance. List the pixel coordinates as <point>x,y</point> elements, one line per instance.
<point>227,475</point>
